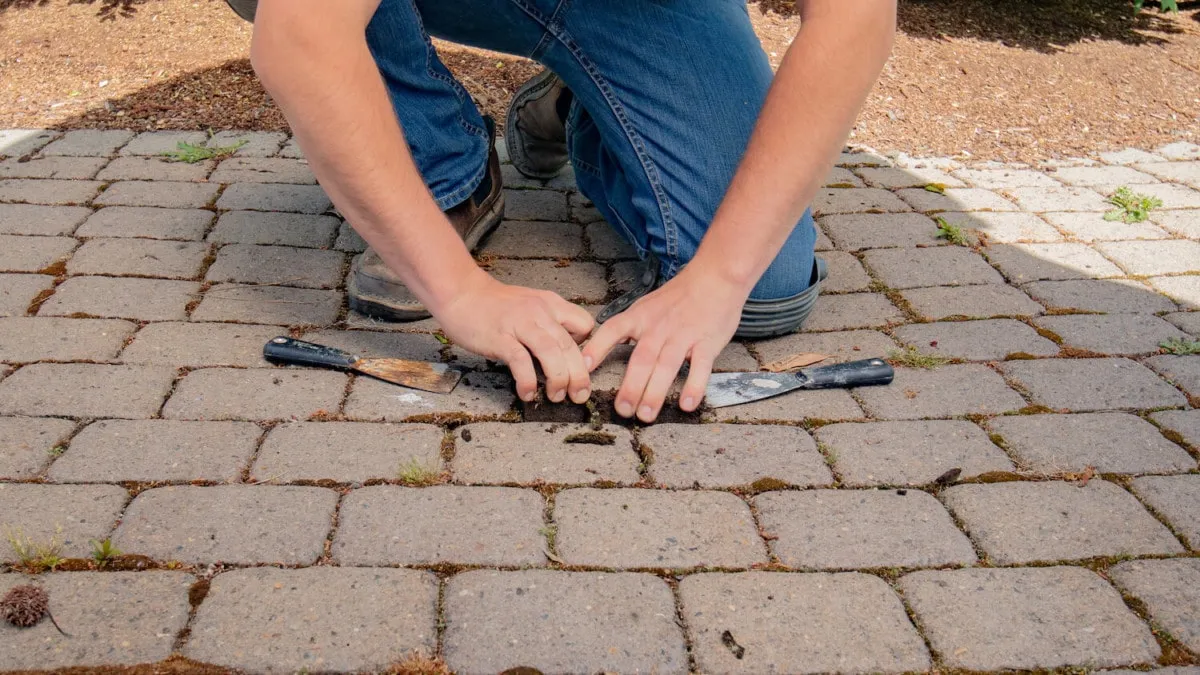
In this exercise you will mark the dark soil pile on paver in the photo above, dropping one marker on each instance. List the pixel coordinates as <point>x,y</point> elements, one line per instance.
<point>1014,79</point>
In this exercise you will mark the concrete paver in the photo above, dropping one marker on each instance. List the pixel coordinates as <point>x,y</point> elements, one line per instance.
<point>984,340</point>
<point>88,143</point>
<point>938,266</point>
<point>85,390</point>
<point>148,451</point>
<point>1108,442</point>
<point>388,525</point>
<point>540,452</point>
<point>838,346</point>
<point>198,345</point>
<point>1037,262</point>
<point>149,222</point>
<point>870,230</point>
<point>1111,296</point>
<point>41,220</point>
<point>1176,498</point>
<point>235,524</point>
<point>346,452</point>
<point>139,257</point>
<point>154,168</point>
<point>1004,227</point>
<point>53,192</point>
<point>853,310</point>
<point>479,396</point>
<point>122,298</point>
<point>32,254</point>
<point>18,291</point>
<point>995,619</point>
<point>1090,227</point>
<point>729,455</point>
<point>29,444</point>
<point>56,519</point>
<point>1171,591</point>
<point>633,528</point>
<point>848,529</point>
<point>171,195</point>
<point>561,622</point>
<point>114,618</point>
<point>1021,522</point>
<point>1117,334</point>
<point>847,623</point>
<point>268,304</point>
<point>1186,423</point>
<point>1182,371</point>
<point>909,452</point>
<point>255,394</point>
<point>1184,290</point>
<point>277,266</point>
<point>969,389</point>
<point>324,619</point>
<point>977,302</point>
<point>1154,257</point>
<point>27,339</point>
<point>277,229</point>
<point>1092,384</point>
<point>274,197</point>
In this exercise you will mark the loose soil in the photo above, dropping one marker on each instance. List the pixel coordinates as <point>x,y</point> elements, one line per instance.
<point>979,79</point>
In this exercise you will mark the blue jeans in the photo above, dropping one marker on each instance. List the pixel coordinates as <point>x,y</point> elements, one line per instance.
<point>666,94</point>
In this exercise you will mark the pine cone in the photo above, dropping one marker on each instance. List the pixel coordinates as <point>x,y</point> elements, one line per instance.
<point>24,606</point>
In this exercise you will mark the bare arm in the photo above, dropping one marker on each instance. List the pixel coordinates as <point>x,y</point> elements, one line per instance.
<point>814,99</point>
<point>312,56</point>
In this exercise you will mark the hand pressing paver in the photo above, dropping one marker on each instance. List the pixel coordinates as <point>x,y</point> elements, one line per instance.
<point>274,197</point>
<point>62,517</point>
<point>269,304</point>
<point>847,529</point>
<point>277,266</point>
<point>149,451</point>
<point>85,390</point>
<point>123,298</point>
<point>38,220</point>
<point>571,454</point>
<point>637,528</point>
<point>26,339</point>
<point>798,623</point>
<point>325,619</point>
<point>255,394</point>
<point>1176,498</point>
<point>54,192</point>
<point>1182,371</point>
<point>479,396</point>
<point>346,452</point>
<point>946,391</point>
<point>29,443</point>
<point>234,524</point>
<point>18,291</point>
<point>1170,589</point>
<point>909,453</point>
<point>277,229</point>
<point>147,221</point>
<point>199,345</point>
<point>1111,296</point>
<point>1107,442</point>
<point>872,230</point>
<point>1092,384</point>
<point>1021,522</point>
<point>32,254</point>
<point>577,622</point>
<point>977,302</point>
<point>139,257</point>
<point>1030,618</point>
<point>166,194</point>
<point>986,340</point>
<point>387,525</point>
<point>938,266</point>
<point>729,455</point>
<point>113,618</point>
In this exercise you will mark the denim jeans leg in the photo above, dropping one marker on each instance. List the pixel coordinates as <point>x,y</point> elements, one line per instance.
<point>444,129</point>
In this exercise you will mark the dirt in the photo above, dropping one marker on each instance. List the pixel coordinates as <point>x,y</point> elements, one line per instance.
<point>974,79</point>
<point>601,410</point>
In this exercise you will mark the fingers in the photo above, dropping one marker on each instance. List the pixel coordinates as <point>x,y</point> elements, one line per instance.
<point>697,380</point>
<point>669,360</point>
<point>521,365</point>
<point>637,375</point>
<point>610,333</point>
<point>575,319</point>
<point>559,356</point>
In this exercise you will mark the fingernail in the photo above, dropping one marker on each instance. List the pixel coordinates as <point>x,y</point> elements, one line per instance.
<point>625,409</point>
<point>558,395</point>
<point>646,413</point>
<point>527,396</point>
<point>688,403</point>
<point>587,362</point>
<point>583,395</point>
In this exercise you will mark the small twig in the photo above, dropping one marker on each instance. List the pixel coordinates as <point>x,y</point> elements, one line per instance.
<point>51,617</point>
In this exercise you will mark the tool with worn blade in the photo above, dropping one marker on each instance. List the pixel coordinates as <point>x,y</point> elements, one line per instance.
<point>435,377</point>
<point>726,389</point>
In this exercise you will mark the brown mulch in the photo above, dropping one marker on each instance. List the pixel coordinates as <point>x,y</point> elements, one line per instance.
<point>987,79</point>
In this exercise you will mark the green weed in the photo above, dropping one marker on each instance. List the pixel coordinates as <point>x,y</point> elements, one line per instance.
<point>914,358</point>
<point>952,233</point>
<point>35,555</point>
<point>1132,207</point>
<point>104,551</point>
<point>192,153</point>
<point>414,473</point>
<point>1181,346</point>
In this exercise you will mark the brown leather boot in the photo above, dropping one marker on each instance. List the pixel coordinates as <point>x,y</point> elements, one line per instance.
<point>536,132</point>
<point>378,292</point>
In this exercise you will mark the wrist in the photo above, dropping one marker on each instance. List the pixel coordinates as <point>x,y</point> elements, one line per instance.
<point>737,276</point>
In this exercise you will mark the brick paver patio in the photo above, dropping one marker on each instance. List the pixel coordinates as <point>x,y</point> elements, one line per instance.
<point>266,525</point>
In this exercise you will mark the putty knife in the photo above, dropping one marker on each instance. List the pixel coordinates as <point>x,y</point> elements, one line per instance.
<point>726,389</point>
<point>435,377</point>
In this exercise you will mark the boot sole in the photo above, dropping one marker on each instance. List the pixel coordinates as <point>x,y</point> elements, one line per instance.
<point>516,152</point>
<point>381,307</point>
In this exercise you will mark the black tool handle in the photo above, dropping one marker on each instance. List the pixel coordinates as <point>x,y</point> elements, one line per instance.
<point>853,374</point>
<point>297,352</point>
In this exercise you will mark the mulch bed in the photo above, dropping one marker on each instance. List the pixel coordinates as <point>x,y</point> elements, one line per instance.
<point>978,79</point>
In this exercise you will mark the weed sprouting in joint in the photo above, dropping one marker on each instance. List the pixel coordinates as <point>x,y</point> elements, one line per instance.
<point>914,358</point>
<point>34,555</point>
<point>1131,207</point>
<point>1180,346</point>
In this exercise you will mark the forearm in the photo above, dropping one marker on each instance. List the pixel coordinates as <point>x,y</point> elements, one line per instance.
<point>322,76</point>
<point>816,95</point>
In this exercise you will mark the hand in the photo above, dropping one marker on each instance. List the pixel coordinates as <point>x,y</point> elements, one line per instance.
<point>509,323</point>
<point>693,317</point>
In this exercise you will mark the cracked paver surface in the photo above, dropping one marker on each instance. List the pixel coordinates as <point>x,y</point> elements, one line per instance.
<point>268,519</point>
